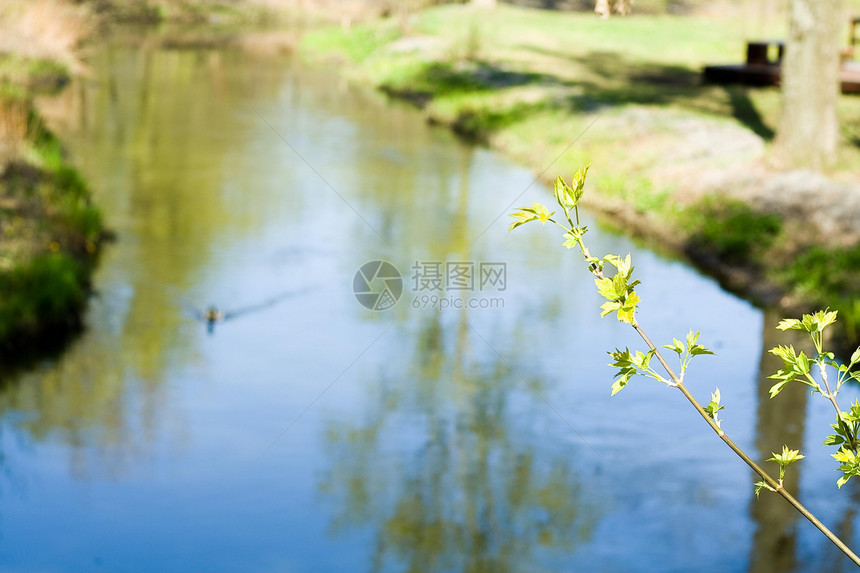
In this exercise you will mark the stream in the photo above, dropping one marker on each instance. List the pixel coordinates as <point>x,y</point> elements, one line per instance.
<point>460,422</point>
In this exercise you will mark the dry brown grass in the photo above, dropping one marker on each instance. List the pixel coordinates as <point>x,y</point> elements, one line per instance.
<point>32,31</point>
<point>44,29</point>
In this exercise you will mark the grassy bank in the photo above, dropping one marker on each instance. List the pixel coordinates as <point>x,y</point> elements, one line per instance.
<point>50,232</point>
<point>242,12</point>
<point>673,159</point>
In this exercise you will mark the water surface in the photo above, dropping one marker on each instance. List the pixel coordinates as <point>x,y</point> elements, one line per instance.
<point>309,433</point>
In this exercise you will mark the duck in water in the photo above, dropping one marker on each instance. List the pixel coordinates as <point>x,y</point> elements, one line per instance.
<point>213,315</point>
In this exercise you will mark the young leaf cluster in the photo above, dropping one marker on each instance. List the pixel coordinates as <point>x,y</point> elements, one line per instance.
<point>801,368</point>
<point>687,352</point>
<point>786,458</point>
<point>631,363</point>
<point>619,289</point>
<point>849,465</point>
<point>714,406</point>
<point>621,298</point>
<point>536,212</point>
<point>846,428</point>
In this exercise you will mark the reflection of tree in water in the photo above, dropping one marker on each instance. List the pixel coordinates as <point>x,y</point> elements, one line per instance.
<point>171,171</point>
<point>443,470</point>
<point>783,421</point>
<point>87,402</point>
<point>472,494</point>
<point>780,421</point>
<point>845,529</point>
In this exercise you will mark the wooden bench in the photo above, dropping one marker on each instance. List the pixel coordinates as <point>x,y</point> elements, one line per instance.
<point>765,52</point>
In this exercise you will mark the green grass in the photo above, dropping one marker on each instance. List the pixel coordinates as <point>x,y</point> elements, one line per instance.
<point>582,63</point>
<point>829,277</point>
<point>20,76</point>
<point>730,229</point>
<point>50,230</point>
<point>640,193</point>
<point>357,44</point>
<point>40,294</point>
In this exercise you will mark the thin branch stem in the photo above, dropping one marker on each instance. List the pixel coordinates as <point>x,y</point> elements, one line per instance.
<point>772,483</point>
<point>831,396</point>
<point>677,382</point>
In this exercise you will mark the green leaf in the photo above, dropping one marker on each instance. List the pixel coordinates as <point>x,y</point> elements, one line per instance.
<point>578,183</point>
<point>542,212</point>
<point>606,288</point>
<point>854,412</point>
<point>714,407</point>
<point>573,238</point>
<point>849,465</point>
<point>693,347</point>
<point>676,346</point>
<point>778,387</point>
<point>563,194</point>
<point>570,241</point>
<point>619,281</point>
<point>817,321</point>
<point>698,350</point>
<point>811,323</point>
<point>787,353</point>
<point>522,215</point>
<point>642,359</point>
<point>789,323</point>
<point>787,457</point>
<point>618,385</point>
<point>692,337</point>
<point>609,307</point>
<point>613,260</point>
<point>628,309</point>
<point>794,364</point>
<point>856,356</point>
<point>625,267</point>
<point>626,369</point>
<point>834,440</point>
<point>760,485</point>
<point>825,318</point>
<point>803,363</point>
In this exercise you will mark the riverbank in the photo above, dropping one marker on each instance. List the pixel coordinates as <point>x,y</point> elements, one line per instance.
<point>682,164</point>
<point>50,232</point>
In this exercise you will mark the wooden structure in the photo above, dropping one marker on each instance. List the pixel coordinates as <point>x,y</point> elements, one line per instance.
<point>764,59</point>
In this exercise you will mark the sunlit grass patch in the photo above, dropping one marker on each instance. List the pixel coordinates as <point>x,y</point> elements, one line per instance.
<point>730,229</point>
<point>828,277</point>
<point>356,43</point>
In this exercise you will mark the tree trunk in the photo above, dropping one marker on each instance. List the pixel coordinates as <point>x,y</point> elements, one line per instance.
<point>622,7</point>
<point>602,7</point>
<point>809,127</point>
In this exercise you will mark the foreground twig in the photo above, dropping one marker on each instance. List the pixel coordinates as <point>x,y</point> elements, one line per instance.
<point>621,298</point>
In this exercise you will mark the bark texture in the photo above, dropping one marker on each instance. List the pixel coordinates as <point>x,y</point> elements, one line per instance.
<point>808,132</point>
